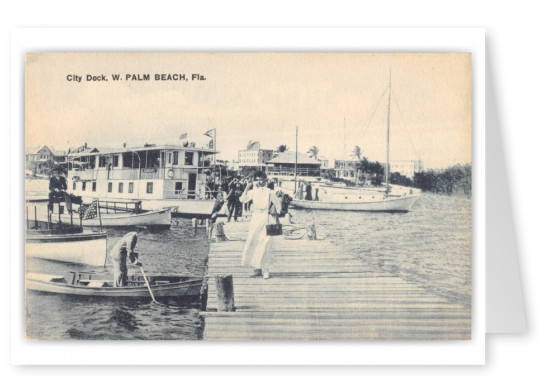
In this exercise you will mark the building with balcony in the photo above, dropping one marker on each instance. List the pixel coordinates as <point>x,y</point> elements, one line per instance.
<point>283,166</point>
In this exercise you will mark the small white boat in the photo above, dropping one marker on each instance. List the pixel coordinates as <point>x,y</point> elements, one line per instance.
<point>112,214</point>
<point>71,245</point>
<point>375,203</point>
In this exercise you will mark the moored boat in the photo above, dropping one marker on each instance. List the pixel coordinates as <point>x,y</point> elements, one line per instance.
<point>72,245</point>
<point>170,287</point>
<point>114,214</point>
<point>367,204</point>
<point>175,176</point>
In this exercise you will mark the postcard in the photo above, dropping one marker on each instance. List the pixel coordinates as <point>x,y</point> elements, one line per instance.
<point>249,196</point>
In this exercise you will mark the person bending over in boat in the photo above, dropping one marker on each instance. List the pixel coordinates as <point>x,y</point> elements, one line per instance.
<point>58,191</point>
<point>124,247</point>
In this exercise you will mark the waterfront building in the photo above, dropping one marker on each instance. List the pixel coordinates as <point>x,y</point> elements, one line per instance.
<point>407,168</point>
<point>39,159</point>
<point>254,156</point>
<point>347,169</point>
<point>283,166</point>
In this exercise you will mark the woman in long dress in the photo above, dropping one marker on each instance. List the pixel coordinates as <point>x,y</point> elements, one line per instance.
<point>258,251</point>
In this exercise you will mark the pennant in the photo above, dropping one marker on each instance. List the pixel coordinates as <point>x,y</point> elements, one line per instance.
<point>183,136</point>
<point>210,132</point>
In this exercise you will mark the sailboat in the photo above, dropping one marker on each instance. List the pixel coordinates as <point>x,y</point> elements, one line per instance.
<point>399,199</point>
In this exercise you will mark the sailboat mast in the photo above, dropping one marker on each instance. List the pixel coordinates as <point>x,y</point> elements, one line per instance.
<point>388,132</point>
<point>296,158</point>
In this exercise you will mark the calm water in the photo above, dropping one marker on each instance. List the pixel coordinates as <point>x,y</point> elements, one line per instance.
<point>430,245</point>
<point>177,250</point>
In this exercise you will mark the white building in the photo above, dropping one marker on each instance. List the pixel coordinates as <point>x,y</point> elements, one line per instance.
<point>406,168</point>
<point>254,156</point>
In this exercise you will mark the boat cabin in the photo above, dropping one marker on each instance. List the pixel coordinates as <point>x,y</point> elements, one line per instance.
<point>148,172</point>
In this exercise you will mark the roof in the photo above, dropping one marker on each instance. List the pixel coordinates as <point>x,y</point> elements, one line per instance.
<point>107,151</point>
<point>288,157</point>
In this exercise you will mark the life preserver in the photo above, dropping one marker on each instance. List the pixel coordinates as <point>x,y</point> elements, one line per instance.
<point>170,173</point>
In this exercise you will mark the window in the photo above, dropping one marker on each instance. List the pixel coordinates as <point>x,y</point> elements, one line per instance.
<point>169,158</point>
<point>83,186</point>
<point>175,160</point>
<point>74,185</point>
<point>110,187</point>
<point>131,187</point>
<point>189,158</point>
<point>102,161</point>
<point>115,160</point>
<point>121,185</point>
<point>93,186</point>
<point>149,187</point>
<point>178,188</point>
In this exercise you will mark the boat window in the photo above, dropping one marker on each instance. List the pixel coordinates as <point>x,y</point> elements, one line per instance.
<point>169,158</point>
<point>83,186</point>
<point>178,187</point>
<point>93,186</point>
<point>175,162</point>
<point>127,160</point>
<point>115,160</point>
<point>102,161</point>
<point>74,185</point>
<point>189,158</point>
<point>121,185</point>
<point>131,187</point>
<point>149,187</point>
<point>110,187</point>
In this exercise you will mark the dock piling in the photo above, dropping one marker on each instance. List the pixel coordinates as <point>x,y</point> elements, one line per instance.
<point>224,293</point>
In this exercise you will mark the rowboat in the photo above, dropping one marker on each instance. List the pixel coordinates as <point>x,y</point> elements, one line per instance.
<point>67,244</point>
<point>174,288</point>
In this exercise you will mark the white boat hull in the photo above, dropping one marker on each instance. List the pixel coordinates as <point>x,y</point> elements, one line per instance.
<point>161,217</point>
<point>87,249</point>
<point>177,206</point>
<point>388,204</point>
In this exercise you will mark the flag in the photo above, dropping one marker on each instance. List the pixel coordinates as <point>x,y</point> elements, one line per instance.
<point>209,132</point>
<point>88,211</point>
<point>183,136</point>
<point>211,144</point>
<point>253,145</point>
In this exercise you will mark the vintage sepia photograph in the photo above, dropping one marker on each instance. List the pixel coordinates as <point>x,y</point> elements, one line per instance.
<point>270,196</point>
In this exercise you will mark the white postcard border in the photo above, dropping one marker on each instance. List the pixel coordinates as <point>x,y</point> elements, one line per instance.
<point>25,352</point>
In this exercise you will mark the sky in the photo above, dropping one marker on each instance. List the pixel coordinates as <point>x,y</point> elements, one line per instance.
<point>337,101</point>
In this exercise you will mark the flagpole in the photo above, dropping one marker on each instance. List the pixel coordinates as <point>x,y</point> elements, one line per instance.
<point>99,215</point>
<point>296,158</point>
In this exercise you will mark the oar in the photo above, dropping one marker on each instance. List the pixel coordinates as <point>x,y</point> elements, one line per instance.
<point>148,287</point>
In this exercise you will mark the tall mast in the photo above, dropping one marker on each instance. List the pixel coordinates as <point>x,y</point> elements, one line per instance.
<point>296,158</point>
<point>388,131</point>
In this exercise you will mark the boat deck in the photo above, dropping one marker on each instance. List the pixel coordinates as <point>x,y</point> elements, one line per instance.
<point>317,292</point>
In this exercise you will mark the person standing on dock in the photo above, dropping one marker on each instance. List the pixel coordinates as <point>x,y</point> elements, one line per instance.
<point>124,247</point>
<point>258,251</point>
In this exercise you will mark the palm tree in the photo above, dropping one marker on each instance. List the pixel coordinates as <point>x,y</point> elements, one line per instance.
<point>363,166</point>
<point>314,151</point>
<point>357,153</point>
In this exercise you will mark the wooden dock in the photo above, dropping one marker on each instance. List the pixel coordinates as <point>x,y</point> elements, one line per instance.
<point>317,292</point>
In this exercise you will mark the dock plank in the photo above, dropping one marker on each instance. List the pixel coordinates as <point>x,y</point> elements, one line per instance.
<point>318,292</point>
